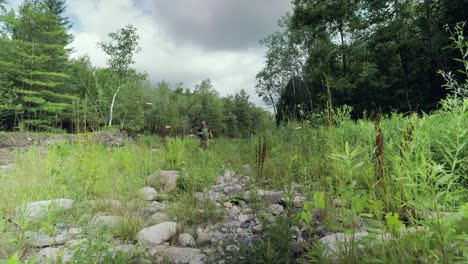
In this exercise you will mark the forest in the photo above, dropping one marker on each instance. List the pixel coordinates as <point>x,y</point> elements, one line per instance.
<point>361,156</point>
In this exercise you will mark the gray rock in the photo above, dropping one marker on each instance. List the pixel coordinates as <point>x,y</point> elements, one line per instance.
<point>299,201</point>
<point>106,220</point>
<point>165,178</point>
<point>217,197</point>
<point>159,206</point>
<point>270,197</point>
<point>246,170</point>
<point>233,189</point>
<point>162,254</point>
<point>332,242</point>
<point>276,209</point>
<point>245,218</point>
<point>257,229</point>
<point>157,234</point>
<point>54,255</point>
<point>203,239</point>
<point>233,212</point>
<point>228,174</point>
<point>217,188</point>
<point>39,240</point>
<point>186,240</point>
<point>37,210</point>
<point>149,193</point>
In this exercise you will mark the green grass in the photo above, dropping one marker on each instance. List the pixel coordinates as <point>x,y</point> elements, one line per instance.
<point>426,174</point>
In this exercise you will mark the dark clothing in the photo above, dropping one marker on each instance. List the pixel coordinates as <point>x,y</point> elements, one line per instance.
<point>203,133</point>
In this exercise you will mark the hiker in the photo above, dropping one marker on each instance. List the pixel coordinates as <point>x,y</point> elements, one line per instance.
<point>204,133</point>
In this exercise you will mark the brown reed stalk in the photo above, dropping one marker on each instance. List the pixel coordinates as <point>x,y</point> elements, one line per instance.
<point>379,143</point>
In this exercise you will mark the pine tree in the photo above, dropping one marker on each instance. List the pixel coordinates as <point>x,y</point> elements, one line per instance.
<point>38,44</point>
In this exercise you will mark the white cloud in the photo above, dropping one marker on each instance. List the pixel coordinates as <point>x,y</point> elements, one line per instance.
<point>165,56</point>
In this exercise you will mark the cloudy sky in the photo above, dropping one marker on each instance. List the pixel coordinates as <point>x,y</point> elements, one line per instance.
<point>184,40</point>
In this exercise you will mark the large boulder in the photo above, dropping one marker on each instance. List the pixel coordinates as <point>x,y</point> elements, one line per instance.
<point>37,210</point>
<point>157,234</point>
<point>167,179</point>
<point>175,255</point>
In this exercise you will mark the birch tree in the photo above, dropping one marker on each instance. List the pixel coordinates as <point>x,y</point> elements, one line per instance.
<point>121,49</point>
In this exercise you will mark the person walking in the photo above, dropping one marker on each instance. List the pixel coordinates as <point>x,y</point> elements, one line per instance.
<point>204,133</point>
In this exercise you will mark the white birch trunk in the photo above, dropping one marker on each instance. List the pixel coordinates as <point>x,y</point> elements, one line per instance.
<point>111,111</point>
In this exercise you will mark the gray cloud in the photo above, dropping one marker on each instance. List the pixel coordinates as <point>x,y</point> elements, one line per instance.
<point>218,24</point>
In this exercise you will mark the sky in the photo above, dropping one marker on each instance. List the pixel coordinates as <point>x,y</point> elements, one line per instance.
<point>183,40</point>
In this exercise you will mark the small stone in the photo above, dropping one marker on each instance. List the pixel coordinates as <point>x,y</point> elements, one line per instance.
<point>234,212</point>
<point>228,205</point>
<point>276,209</point>
<point>270,197</point>
<point>186,240</point>
<point>166,254</point>
<point>149,193</point>
<point>159,206</point>
<point>257,229</point>
<point>299,201</point>
<point>203,239</point>
<point>218,188</point>
<point>108,220</point>
<point>244,218</point>
<point>157,234</point>
<point>54,255</point>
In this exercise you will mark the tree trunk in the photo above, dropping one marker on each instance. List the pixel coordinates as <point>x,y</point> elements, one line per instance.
<point>111,111</point>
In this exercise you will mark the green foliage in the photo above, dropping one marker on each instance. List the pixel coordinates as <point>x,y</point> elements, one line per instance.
<point>174,152</point>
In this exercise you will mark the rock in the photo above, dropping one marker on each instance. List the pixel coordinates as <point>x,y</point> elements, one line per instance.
<point>165,254</point>
<point>233,212</point>
<point>76,243</point>
<point>149,193</point>
<point>217,197</point>
<point>166,179</point>
<point>230,227</point>
<point>245,218</point>
<point>228,205</point>
<point>157,234</point>
<point>203,239</point>
<point>276,209</point>
<point>228,174</point>
<point>54,255</point>
<point>233,189</point>
<point>246,170</point>
<point>40,209</point>
<point>296,187</point>
<point>299,201</point>
<point>160,217</point>
<point>39,240</point>
<point>270,197</point>
<point>186,240</point>
<point>217,188</point>
<point>159,206</point>
<point>331,242</point>
<point>107,220</point>
<point>296,231</point>
<point>257,229</point>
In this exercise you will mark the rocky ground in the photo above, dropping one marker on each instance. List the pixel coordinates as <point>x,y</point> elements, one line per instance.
<point>163,242</point>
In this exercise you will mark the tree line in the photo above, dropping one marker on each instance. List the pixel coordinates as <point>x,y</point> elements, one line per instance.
<point>42,88</point>
<point>376,56</point>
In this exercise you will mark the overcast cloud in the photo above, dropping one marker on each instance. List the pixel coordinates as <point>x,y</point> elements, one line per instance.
<point>184,40</point>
